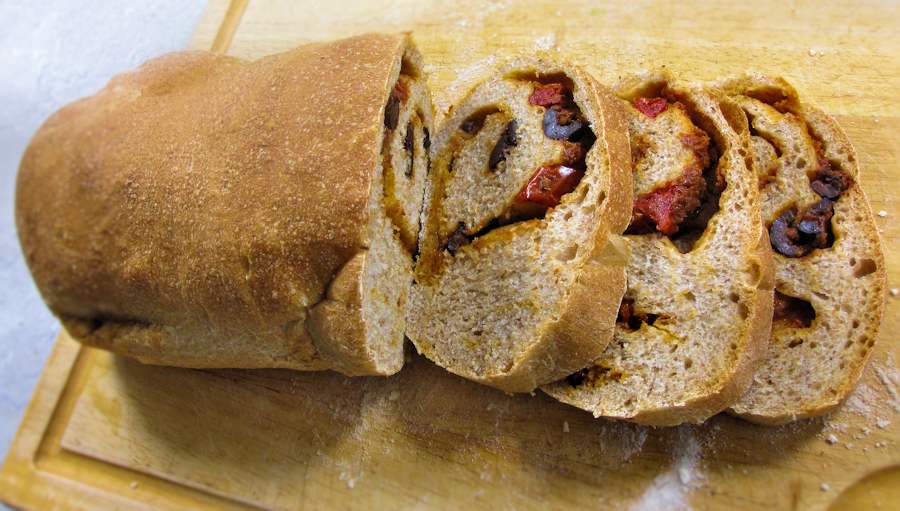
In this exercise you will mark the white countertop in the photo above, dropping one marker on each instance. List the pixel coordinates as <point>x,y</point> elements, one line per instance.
<point>52,52</point>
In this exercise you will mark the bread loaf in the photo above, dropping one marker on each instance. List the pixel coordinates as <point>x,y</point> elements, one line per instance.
<point>829,267</point>
<point>206,211</point>
<point>520,271</point>
<point>696,315</point>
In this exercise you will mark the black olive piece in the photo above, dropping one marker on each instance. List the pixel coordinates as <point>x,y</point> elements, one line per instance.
<point>815,223</point>
<point>408,140</point>
<point>784,236</point>
<point>829,182</point>
<point>409,147</point>
<point>576,379</point>
<point>826,189</point>
<point>392,113</point>
<point>507,139</point>
<point>426,139</point>
<point>556,131</point>
<point>457,239</point>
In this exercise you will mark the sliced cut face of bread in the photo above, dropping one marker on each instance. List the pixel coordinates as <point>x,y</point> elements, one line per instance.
<point>520,273</point>
<point>205,211</point>
<point>829,267</point>
<point>696,315</point>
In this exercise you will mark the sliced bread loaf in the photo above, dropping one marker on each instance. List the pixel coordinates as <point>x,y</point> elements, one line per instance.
<point>519,273</point>
<point>205,211</point>
<point>829,267</point>
<point>696,315</point>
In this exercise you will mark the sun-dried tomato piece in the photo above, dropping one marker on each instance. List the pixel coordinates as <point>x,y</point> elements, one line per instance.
<point>665,208</point>
<point>547,95</point>
<point>549,184</point>
<point>651,107</point>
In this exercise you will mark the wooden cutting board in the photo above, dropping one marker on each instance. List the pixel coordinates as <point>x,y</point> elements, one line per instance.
<point>103,432</point>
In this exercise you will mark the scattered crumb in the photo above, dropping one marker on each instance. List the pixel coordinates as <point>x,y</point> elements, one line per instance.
<point>394,395</point>
<point>565,426</point>
<point>895,291</point>
<point>351,483</point>
<point>831,439</point>
<point>133,485</point>
<point>813,52</point>
<point>546,41</point>
<point>889,376</point>
<point>670,490</point>
<point>882,213</point>
<point>824,487</point>
<point>882,423</point>
<point>848,445</point>
<point>876,120</point>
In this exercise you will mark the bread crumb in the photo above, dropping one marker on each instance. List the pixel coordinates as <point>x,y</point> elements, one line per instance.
<point>882,423</point>
<point>895,291</point>
<point>882,213</point>
<point>831,439</point>
<point>394,395</point>
<point>546,41</point>
<point>824,487</point>
<point>565,426</point>
<point>133,485</point>
<point>848,445</point>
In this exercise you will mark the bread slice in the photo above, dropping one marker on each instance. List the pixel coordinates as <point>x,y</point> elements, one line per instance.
<point>206,211</point>
<point>831,286</point>
<point>519,273</point>
<point>696,315</point>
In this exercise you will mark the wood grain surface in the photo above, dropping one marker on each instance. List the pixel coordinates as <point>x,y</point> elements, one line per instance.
<point>103,432</point>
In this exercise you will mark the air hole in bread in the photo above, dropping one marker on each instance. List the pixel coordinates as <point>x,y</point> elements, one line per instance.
<point>795,342</point>
<point>543,78</point>
<point>865,267</point>
<point>408,68</point>
<point>754,274</point>
<point>855,324</point>
<point>801,163</point>
<point>774,96</point>
<point>567,254</point>
<point>734,116</point>
<point>595,374</point>
<point>689,296</point>
<point>688,363</point>
<point>631,319</point>
<point>792,312</point>
<point>743,311</point>
<point>734,297</point>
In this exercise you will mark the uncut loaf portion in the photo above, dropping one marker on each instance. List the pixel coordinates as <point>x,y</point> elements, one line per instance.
<point>520,270</point>
<point>207,211</point>
<point>695,319</point>
<point>829,267</point>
